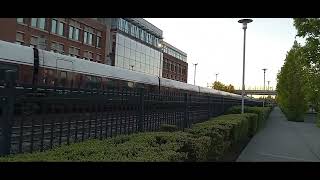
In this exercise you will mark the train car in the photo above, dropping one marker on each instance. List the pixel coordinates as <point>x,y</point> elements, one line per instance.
<point>39,67</point>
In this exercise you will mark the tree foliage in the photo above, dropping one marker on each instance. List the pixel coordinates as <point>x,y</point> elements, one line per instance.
<point>309,28</point>
<point>290,86</point>
<point>222,87</point>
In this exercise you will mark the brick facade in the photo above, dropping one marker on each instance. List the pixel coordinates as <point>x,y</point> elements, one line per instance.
<point>174,68</point>
<point>98,54</point>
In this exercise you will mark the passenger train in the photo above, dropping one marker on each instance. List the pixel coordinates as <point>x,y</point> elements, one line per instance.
<point>40,67</point>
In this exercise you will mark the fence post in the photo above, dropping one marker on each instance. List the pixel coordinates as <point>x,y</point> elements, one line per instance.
<point>209,106</point>
<point>186,120</point>
<point>141,108</point>
<point>7,113</point>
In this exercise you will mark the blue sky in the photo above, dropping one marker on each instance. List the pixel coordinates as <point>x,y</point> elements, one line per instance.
<point>217,45</point>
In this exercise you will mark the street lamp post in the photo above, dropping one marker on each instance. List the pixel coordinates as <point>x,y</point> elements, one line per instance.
<point>264,83</point>
<point>195,70</point>
<point>244,23</point>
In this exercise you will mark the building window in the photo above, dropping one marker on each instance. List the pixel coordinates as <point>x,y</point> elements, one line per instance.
<point>74,33</point>
<point>57,27</point>
<point>73,51</point>
<point>87,38</point>
<point>20,20</point>
<point>38,22</point>
<point>56,47</point>
<point>98,42</point>
<point>60,29</point>
<point>19,38</point>
<point>54,26</point>
<point>34,41</point>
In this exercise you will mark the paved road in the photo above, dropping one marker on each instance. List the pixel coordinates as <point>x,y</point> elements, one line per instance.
<point>282,140</point>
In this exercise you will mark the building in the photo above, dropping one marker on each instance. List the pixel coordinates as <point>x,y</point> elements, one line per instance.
<point>175,64</point>
<point>136,45</point>
<point>85,38</point>
<point>130,43</point>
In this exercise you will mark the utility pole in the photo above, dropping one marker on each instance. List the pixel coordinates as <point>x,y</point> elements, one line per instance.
<point>264,83</point>
<point>195,70</point>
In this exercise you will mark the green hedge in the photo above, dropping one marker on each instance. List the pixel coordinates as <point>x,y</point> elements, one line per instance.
<point>208,140</point>
<point>262,112</point>
<point>168,128</point>
<point>225,131</point>
<point>155,146</point>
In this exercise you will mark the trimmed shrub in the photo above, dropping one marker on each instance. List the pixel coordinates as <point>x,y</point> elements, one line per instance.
<point>168,128</point>
<point>224,132</point>
<point>156,146</point>
<point>262,112</point>
<point>253,123</point>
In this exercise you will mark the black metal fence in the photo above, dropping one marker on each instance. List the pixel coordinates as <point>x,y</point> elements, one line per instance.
<point>40,118</point>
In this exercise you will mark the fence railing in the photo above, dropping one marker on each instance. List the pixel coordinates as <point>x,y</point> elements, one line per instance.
<point>39,118</point>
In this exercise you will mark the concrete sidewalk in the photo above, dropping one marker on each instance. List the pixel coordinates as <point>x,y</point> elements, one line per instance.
<point>282,140</point>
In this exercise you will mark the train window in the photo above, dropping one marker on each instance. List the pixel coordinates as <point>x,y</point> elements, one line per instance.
<point>44,78</point>
<point>26,73</point>
<point>51,77</point>
<point>70,79</point>
<point>99,82</point>
<point>82,81</point>
<point>110,83</point>
<point>62,79</point>
<point>4,68</point>
<point>77,80</point>
<point>87,81</point>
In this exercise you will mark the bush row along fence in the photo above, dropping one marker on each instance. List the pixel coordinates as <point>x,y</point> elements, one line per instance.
<point>38,118</point>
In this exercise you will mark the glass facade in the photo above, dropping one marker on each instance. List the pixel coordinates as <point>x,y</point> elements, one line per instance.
<point>137,32</point>
<point>133,55</point>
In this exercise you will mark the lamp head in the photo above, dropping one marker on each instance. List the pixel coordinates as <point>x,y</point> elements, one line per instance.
<point>245,22</point>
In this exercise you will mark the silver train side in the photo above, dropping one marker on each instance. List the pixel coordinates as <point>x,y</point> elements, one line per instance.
<point>11,53</point>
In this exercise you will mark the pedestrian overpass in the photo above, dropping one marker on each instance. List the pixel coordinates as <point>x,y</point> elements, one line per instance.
<point>257,92</point>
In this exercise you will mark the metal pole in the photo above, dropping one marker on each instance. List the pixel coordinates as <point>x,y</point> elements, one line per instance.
<point>264,83</point>
<point>244,27</point>
<point>243,70</point>
<point>264,80</point>
<point>195,70</point>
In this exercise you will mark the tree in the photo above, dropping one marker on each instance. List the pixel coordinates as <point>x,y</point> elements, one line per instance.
<point>290,85</point>
<point>222,87</point>
<point>309,28</point>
